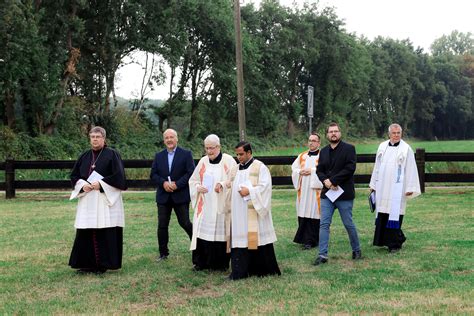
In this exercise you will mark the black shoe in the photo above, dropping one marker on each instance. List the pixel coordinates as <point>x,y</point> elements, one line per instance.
<point>307,247</point>
<point>320,260</point>
<point>162,258</point>
<point>394,250</point>
<point>357,255</point>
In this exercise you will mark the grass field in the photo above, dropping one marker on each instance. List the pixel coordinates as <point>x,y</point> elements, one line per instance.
<point>370,147</point>
<point>433,274</point>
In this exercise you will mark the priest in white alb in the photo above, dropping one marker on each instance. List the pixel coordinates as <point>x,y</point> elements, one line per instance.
<point>394,180</point>
<point>208,201</point>
<point>308,197</point>
<point>251,231</point>
<point>98,178</point>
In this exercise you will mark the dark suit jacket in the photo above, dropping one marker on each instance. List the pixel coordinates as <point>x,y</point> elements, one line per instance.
<point>181,170</point>
<point>340,171</point>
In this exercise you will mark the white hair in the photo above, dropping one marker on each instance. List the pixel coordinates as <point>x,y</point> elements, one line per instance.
<point>394,125</point>
<point>172,131</point>
<point>212,139</point>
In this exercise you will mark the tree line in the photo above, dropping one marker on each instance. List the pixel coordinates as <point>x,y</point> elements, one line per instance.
<point>59,59</point>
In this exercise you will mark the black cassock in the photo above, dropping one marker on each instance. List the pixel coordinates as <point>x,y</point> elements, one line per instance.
<point>393,238</point>
<point>98,249</point>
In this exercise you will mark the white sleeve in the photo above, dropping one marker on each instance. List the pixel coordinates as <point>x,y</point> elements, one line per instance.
<point>111,193</point>
<point>315,183</point>
<point>295,173</point>
<point>411,176</point>
<point>261,194</point>
<point>76,193</point>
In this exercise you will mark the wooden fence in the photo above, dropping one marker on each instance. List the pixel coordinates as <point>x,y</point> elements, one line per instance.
<point>10,184</point>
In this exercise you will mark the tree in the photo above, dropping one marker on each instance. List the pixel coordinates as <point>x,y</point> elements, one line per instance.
<point>456,43</point>
<point>111,29</point>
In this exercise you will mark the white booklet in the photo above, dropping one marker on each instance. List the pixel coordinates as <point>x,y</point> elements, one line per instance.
<point>208,181</point>
<point>95,176</point>
<point>334,194</point>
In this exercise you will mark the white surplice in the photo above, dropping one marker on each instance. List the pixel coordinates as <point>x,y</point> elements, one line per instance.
<point>308,187</point>
<point>209,215</point>
<point>395,169</point>
<point>261,196</point>
<point>97,209</point>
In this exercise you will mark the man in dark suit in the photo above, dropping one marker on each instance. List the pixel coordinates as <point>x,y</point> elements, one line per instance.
<point>337,164</point>
<point>170,172</point>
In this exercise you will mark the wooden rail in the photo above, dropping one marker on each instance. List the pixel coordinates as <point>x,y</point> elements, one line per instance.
<point>10,184</point>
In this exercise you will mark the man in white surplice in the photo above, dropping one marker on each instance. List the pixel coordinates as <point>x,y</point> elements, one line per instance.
<point>251,234</point>
<point>208,202</point>
<point>394,180</point>
<point>308,198</point>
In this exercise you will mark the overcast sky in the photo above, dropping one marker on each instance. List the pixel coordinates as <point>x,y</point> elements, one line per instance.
<point>422,21</point>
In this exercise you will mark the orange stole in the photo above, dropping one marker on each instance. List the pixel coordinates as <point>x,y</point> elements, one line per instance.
<point>200,202</point>
<point>302,165</point>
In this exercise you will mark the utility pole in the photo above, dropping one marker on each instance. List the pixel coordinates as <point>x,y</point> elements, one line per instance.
<point>310,107</point>
<point>240,71</point>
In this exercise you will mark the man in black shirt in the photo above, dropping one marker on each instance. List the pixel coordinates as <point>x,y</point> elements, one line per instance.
<point>337,164</point>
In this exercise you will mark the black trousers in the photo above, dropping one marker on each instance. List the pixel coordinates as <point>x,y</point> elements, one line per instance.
<point>164,216</point>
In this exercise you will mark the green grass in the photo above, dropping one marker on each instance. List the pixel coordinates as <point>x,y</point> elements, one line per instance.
<point>370,147</point>
<point>432,274</point>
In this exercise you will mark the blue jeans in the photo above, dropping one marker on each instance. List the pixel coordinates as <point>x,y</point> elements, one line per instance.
<point>345,211</point>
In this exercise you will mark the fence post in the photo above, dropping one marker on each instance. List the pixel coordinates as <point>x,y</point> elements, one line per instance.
<point>420,163</point>
<point>9,178</point>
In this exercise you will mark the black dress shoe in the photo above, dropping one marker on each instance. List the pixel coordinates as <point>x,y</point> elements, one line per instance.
<point>357,255</point>
<point>320,260</point>
<point>307,247</point>
<point>161,258</point>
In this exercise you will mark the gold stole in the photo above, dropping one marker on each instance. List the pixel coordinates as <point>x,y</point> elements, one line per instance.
<point>252,216</point>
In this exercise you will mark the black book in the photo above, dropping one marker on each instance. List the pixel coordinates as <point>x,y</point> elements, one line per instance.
<point>371,199</point>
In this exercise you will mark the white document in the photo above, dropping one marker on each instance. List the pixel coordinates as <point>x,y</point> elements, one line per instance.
<point>247,184</point>
<point>332,195</point>
<point>95,176</point>
<point>208,181</point>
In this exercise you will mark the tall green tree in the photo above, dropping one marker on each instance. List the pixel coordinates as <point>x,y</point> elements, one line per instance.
<point>111,29</point>
<point>456,43</point>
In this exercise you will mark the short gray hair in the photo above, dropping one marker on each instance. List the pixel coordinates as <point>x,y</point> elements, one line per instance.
<point>98,129</point>
<point>172,131</point>
<point>394,125</point>
<point>213,139</point>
